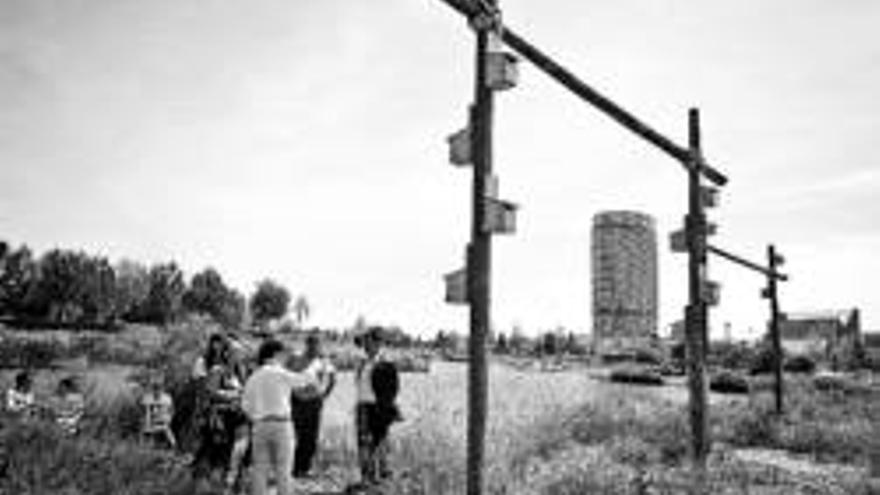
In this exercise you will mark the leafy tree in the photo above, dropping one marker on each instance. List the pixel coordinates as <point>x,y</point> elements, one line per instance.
<point>97,290</point>
<point>62,284</point>
<point>164,299</point>
<point>549,345</point>
<point>269,301</point>
<point>231,313</point>
<point>207,293</point>
<point>396,337</point>
<point>17,279</point>
<point>301,309</point>
<point>132,289</point>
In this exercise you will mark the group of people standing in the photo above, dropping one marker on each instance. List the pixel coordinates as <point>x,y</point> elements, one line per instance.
<point>264,411</point>
<point>272,411</point>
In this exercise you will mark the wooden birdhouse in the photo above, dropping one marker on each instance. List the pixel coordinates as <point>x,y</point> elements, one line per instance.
<point>710,292</point>
<point>501,70</point>
<point>460,148</point>
<point>678,241</point>
<point>456,287</point>
<point>500,217</point>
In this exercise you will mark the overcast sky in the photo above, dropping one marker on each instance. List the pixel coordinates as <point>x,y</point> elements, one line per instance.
<point>304,140</point>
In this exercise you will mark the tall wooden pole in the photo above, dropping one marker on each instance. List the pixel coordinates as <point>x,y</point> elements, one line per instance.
<point>772,261</point>
<point>696,315</point>
<point>479,270</point>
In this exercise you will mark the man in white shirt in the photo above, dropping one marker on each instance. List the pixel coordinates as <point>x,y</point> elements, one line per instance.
<point>266,401</point>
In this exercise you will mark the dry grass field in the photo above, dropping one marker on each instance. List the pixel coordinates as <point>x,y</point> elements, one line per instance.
<point>552,433</point>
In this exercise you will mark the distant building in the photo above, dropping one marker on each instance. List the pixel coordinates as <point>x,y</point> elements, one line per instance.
<point>871,343</point>
<point>625,289</point>
<point>830,336</point>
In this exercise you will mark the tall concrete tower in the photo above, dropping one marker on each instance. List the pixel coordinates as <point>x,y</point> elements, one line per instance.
<point>625,290</point>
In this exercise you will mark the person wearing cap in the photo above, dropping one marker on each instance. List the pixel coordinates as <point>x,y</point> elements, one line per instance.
<point>266,401</point>
<point>377,384</point>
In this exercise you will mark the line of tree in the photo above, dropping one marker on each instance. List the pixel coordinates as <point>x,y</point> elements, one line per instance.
<point>548,343</point>
<point>65,286</point>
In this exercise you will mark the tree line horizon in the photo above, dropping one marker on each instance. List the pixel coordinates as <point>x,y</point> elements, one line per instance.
<point>73,286</point>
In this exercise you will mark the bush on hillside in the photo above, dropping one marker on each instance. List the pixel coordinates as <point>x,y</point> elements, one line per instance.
<point>728,382</point>
<point>110,350</point>
<point>30,353</point>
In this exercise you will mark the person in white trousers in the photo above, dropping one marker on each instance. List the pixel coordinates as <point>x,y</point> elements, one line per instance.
<point>266,401</point>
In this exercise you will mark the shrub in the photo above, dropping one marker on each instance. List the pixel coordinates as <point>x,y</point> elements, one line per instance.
<point>672,369</point>
<point>728,382</point>
<point>30,353</point>
<point>112,417</point>
<point>835,383</point>
<point>109,349</point>
<point>637,375</point>
<point>799,364</point>
<point>763,361</point>
<point>647,356</point>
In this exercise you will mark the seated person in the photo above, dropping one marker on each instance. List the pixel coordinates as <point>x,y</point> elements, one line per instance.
<point>158,410</point>
<point>69,406</point>
<point>20,398</point>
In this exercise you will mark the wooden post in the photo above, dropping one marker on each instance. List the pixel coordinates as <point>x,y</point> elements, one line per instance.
<point>479,270</point>
<point>773,261</point>
<point>696,312</point>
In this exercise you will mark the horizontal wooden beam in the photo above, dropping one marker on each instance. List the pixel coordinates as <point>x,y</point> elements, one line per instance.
<point>594,97</point>
<point>746,263</point>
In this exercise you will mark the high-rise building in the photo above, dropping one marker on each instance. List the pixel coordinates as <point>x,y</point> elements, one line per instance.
<point>625,289</point>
